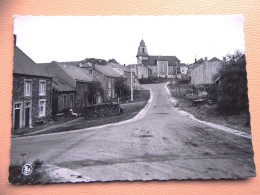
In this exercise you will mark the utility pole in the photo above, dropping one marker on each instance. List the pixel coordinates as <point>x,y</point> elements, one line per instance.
<point>132,94</point>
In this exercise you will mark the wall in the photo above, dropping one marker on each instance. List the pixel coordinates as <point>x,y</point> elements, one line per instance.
<point>205,73</point>
<point>142,71</point>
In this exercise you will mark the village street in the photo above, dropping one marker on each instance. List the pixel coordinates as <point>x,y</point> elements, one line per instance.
<point>163,145</point>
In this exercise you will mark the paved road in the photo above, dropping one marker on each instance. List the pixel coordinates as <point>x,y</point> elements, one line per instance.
<point>162,145</point>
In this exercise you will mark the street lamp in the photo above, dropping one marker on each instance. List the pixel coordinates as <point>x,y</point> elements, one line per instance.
<point>132,94</point>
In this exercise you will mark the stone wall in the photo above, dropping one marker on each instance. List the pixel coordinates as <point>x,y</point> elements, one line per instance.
<point>101,110</point>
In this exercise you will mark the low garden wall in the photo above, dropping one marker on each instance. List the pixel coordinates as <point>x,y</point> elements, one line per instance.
<point>101,110</point>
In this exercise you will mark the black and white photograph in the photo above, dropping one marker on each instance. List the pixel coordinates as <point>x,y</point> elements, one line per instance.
<point>129,98</point>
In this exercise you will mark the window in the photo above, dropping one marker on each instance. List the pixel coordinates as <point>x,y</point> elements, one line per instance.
<point>64,100</point>
<point>113,93</point>
<point>71,100</point>
<point>27,87</point>
<point>109,83</point>
<point>42,108</point>
<point>109,92</point>
<point>42,88</point>
<point>143,50</point>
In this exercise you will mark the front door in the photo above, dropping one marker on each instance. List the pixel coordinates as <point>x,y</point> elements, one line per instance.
<point>27,114</point>
<point>17,116</point>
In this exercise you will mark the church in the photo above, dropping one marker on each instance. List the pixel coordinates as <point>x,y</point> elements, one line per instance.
<point>160,66</point>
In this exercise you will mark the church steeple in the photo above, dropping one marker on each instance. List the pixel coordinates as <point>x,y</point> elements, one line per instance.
<point>142,53</point>
<point>142,50</point>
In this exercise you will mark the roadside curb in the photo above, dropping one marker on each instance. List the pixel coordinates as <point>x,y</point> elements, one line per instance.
<point>220,127</point>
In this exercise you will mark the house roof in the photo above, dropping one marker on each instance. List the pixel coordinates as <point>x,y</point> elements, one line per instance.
<point>119,66</point>
<point>152,60</point>
<point>107,71</point>
<point>60,85</point>
<point>214,59</point>
<point>76,73</point>
<point>25,65</point>
<point>85,65</point>
<point>67,73</point>
<point>72,63</point>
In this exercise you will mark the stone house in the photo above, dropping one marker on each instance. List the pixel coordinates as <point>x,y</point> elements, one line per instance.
<point>32,92</point>
<point>63,96</point>
<point>140,70</point>
<point>71,86</point>
<point>160,66</point>
<point>125,71</point>
<point>184,69</point>
<point>206,72</point>
<point>106,76</point>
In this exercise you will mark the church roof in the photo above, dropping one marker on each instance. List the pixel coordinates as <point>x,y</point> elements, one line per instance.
<point>152,60</point>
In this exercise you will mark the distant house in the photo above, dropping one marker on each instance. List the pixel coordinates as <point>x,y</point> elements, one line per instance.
<point>71,86</point>
<point>205,73</point>
<point>125,71</point>
<point>183,69</point>
<point>161,66</point>
<point>140,70</point>
<point>63,96</point>
<point>106,76</point>
<point>32,100</point>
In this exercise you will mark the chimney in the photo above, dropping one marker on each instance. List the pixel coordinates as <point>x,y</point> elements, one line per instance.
<point>206,59</point>
<point>15,39</point>
<point>224,59</point>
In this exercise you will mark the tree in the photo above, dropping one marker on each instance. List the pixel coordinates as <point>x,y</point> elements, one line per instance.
<point>95,90</point>
<point>232,87</point>
<point>112,61</point>
<point>233,58</point>
<point>121,88</point>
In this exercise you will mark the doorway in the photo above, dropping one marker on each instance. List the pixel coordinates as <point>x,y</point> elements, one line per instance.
<point>17,116</point>
<point>27,114</point>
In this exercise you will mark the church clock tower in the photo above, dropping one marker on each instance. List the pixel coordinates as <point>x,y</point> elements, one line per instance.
<point>142,53</point>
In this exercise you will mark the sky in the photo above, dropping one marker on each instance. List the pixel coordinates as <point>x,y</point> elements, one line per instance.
<point>74,38</point>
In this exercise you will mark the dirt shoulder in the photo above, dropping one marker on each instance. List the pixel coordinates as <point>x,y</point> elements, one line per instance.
<point>208,113</point>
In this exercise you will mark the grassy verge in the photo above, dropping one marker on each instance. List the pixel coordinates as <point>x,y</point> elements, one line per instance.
<point>208,113</point>
<point>130,110</point>
<point>37,176</point>
<point>68,123</point>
